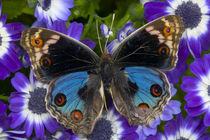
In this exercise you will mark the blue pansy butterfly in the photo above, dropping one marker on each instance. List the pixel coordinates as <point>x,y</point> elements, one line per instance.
<point>81,83</point>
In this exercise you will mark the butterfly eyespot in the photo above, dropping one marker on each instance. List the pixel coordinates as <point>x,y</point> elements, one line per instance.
<point>168,31</point>
<point>45,62</point>
<point>163,51</point>
<point>36,41</point>
<point>155,90</point>
<point>143,109</point>
<point>83,51</point>
<point>60,99</point>
<point>76,116</point>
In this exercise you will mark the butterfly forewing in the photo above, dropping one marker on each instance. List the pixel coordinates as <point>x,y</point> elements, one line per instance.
<point>153,45</point>
<point>53,54</point>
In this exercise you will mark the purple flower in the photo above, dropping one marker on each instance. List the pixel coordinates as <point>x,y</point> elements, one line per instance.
<point>121,35</point>
<point>52,10</point>
<point>74,30</point>
<point>27,107</point>
<point>110,126</point>
<point>183,129</point>
<point>173,107</point>
<point>198,89</point>
<point>4,125</point>
<point>9,52</point>
<point>195,15</point>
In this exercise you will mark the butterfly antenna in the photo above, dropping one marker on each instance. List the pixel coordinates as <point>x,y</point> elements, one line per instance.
<point>113,17</point>
<point>99,41</point>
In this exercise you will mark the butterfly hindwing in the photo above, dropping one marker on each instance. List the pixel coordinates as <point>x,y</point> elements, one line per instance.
<point>53,54</point>
<point>144,93</point>
<point>75,101</point>
<point>153,45</point>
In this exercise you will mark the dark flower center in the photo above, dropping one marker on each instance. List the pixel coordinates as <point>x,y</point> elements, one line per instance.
<point>37,101</point>
<point>209,90</point>
<point>190,13</point>
<point>102,130</point>
<point>182,138</point>
<point>45,4</point>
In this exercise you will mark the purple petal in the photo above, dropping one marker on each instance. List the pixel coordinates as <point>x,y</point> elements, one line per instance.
<point>191,123</point>
<point>158,136</point>
<point>104,30</point>
<point>112,46</point>
<point>195,101</point>
<point>149,131</point>
<point>59,26</point>
<point>207,118</point>
<point>189,83</point>
<point>89,43</point>
<point>28,126</point>
<point>198,68</point>
<point>155,122</point>
<point>205,137</point>
<point>170,128</point>
<point>38,14</point>
<point>166,115</point>
<point>38,23</point>
<point>14,28</point>
<point>153,10</point>
<point>20,81</point>
<point>200,130</point>
<point>39,127</point>
<point>11,61</point>
<point>4,72</point>
<point>206,61</point>
<point>3,108</point>
<point>17,119</point>
<point>3,18</point>
<point>195,47</point>
<point>141,133</point>
<point>75,30</point>
<point>174,106</point>
<point>183,50</point>
<point>51,124</point>
<point>4,122</point>
<point>195,111</point>
<point>121,35</point>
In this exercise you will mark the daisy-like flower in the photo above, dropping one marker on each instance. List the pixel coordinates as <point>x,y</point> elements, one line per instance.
<point>74,30</point>
<point>122,34</point>
<point>4,125</point>
<point>198,89</point>
<point>51,10</point>
<point>173,107</point>
<point>9,52</point>
<point>110,126</point>
<point>27,107</point>
<point>195,15</point>
<point>183,129</point>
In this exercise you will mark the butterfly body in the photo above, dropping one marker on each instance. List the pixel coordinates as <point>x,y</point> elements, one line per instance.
<point>81,83</point>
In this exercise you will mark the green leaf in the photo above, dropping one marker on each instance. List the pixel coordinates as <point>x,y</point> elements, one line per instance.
<point>13,8</point>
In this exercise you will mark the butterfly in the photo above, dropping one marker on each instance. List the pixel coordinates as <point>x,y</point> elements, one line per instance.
<point>80,81</point>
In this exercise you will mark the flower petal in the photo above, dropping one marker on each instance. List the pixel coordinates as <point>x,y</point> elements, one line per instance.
<point>20,82</point>
<point>207,118</point>
<point>75,30</point>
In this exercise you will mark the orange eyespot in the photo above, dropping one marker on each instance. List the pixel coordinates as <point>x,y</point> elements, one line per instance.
<point>143,109</point>
<point>155,90</point>
<point>60,99</point>
<point>45,62</point>
<point>168,31</point>
<point>36,41</point>
<point>76,116</point>
<point>163,51</point>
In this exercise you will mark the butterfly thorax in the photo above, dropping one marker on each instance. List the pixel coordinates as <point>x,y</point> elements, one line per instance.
<point>106,74</point>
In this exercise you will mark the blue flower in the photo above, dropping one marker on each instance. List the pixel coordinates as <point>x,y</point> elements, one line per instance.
<point>4,125</point>
<point>122,34</point>
<point>106,31</point>
<point>183,129</point>
<point>110,126</point>
<point>51,10</point>
<point>173,107</point>
<point>9,52</point>
<point>27,106</point>
<point>74,30</point>
<point>198,89</point>
<point>195,15</point>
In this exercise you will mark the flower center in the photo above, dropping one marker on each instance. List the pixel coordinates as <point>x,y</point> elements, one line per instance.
<point>37,101</point>
<point>45,4</point>
<point>102,130</point>
<point>182,138</point>
<point>190,13</point>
